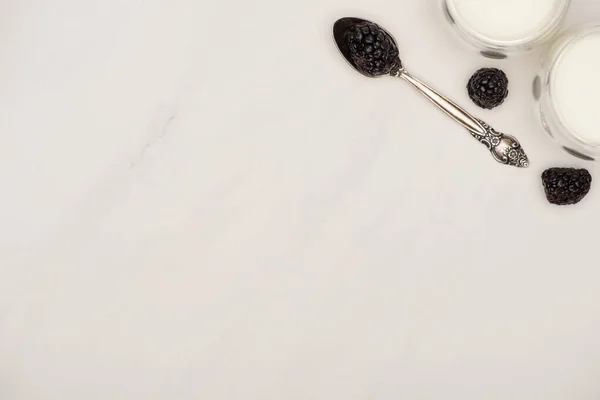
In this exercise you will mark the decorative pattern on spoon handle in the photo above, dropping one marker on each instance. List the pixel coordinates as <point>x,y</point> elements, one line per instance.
<point>505,149</point>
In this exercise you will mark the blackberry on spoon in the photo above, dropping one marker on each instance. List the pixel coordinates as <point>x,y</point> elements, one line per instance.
<point>372,49</point>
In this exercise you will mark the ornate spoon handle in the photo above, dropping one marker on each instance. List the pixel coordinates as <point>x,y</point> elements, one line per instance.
<point>504,148</point>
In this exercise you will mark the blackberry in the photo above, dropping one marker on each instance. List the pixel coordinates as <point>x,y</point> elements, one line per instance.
<point>488,87</point>
<point>566,185</point>
<point>372,49</point>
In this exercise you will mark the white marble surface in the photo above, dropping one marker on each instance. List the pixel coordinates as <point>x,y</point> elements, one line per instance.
<point>200,200</point>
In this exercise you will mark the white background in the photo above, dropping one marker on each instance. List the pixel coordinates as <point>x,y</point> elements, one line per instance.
<point>201,200</point>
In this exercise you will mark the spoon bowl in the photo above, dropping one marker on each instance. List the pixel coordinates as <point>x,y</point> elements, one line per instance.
<point>340,31</point>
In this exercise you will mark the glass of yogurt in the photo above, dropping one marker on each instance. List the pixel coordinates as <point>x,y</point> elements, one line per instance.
<point>566,89</point>
<point>499,28</point>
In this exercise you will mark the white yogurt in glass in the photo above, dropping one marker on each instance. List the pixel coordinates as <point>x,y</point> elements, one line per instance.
<point>574,87</point>
<point>507,25</point>
<point>566,89</point>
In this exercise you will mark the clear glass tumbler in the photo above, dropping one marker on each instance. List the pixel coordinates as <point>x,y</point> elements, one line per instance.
<point>500,28</point>
<point>566,90</point>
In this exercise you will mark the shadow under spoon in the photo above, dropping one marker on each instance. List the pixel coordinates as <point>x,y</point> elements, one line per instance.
<point>505,149</point>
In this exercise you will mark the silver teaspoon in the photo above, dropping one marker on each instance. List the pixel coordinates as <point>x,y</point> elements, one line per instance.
<point>504,148</point>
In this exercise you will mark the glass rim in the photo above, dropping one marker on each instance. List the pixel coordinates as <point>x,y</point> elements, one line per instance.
<point>548,29</point>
